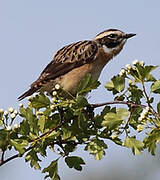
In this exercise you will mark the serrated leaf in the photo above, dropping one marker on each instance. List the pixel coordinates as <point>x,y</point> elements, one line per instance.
<point>87,84</point>
<point>133,122</point>
<point>24,127</point>
<point>109,85</point>
<point>135,94</point>
<point>96,147</point>
<point>144,72</point>
<point>19,145</point>
<point>41,122</point>
<point>74,162</point>
<point>33,158</point>
<point>81,101</point>
<point>134,144</point>
<point>99,118</point>
<point>52,170</point>
<point>150,78</point>
<point>147,71</point>
<point>113,120</point>
<point>119,83</point>
<point>31,119</point>
<point>66,134</point>
<point>122,112</point>
<point>155,87</point>
<point>151,140</point>
<point>40,101</point>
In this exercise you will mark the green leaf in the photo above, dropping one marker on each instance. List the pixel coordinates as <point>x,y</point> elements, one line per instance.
<point>81,101</point>
<point>150,78</point>
<point>41,122</point>
<point>74,162</point>
<point>151,140</point>
<point>3,139</point>
<point>66,134</point>
<point>144,72</point>
<point>121,112</point>
<point>30,118</point>
<point>147,75</point>
<point>87,84</point>
<point>158,107</point>
<point>99,118</point>
<point>23,112</point>
<point>96,147</point>
<point>112,120</point>
<point>24,128</point>
<point>19,145</point>
<point>133,122</point>
<point>109,85</point>
<point>40,101</point>
<point>135,94</point>
<point>155,87</point>
<point>33,158</point>
<point>119,83</point>
<point>81,120</point>
<point>52,170</point>
<point>134,144</point>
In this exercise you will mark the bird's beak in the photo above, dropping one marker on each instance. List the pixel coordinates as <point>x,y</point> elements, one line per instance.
<point>127,36</point>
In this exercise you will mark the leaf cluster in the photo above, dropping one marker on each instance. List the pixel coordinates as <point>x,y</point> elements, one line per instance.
<point>61,123</point>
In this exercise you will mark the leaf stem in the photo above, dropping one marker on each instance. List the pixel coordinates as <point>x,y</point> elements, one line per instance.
<point>128,103</point>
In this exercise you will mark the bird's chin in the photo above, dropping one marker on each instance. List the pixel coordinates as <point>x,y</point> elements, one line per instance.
<point>123,41</point>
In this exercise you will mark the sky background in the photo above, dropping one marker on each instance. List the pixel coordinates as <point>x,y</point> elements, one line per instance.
<point>31,31</point>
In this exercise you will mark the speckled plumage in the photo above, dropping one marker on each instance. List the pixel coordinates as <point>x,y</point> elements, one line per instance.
<point>71,63</point>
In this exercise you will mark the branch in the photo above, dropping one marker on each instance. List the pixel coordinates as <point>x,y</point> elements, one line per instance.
<point>126,103</point>
<point>2,162</point>
<point>118,102</point>
<point>14,156</point>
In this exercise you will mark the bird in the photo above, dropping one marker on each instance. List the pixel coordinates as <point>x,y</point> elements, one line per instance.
<point>73,62</point>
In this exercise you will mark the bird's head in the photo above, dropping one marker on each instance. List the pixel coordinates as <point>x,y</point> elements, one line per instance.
<point>112,40</point>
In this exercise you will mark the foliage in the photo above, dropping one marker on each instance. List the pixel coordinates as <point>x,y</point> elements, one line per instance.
<point>63,123</point>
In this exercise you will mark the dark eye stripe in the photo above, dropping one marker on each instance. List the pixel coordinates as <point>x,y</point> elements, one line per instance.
<point>112,36</point>
<point>112,44</point>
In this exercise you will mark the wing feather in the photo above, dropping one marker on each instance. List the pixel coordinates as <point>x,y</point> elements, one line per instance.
<point>66,59</point>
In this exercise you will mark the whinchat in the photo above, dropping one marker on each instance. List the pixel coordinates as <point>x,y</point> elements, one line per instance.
<point>73,62</point>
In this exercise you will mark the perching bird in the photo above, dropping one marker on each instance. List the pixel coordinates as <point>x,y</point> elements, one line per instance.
<point>73,62</point>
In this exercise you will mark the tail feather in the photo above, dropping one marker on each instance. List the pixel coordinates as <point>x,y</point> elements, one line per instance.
<point>27,93</point>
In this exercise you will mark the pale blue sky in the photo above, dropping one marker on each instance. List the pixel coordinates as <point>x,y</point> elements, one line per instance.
<point>31,31</point>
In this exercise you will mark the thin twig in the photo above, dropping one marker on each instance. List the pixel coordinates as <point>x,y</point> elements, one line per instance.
<point>2,157</point>
<point>14,156</point>
<point>126,103</point>
<point>31,147</point>
<point>118,102</point>
<point>149,105</point>
<point>2,162</point>
<point>146,95</point>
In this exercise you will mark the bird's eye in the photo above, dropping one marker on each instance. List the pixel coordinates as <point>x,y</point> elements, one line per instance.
<point>112,36</point>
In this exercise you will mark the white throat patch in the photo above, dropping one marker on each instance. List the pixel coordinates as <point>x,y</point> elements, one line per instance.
<point>107,50</point>
<point>110,50</point>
